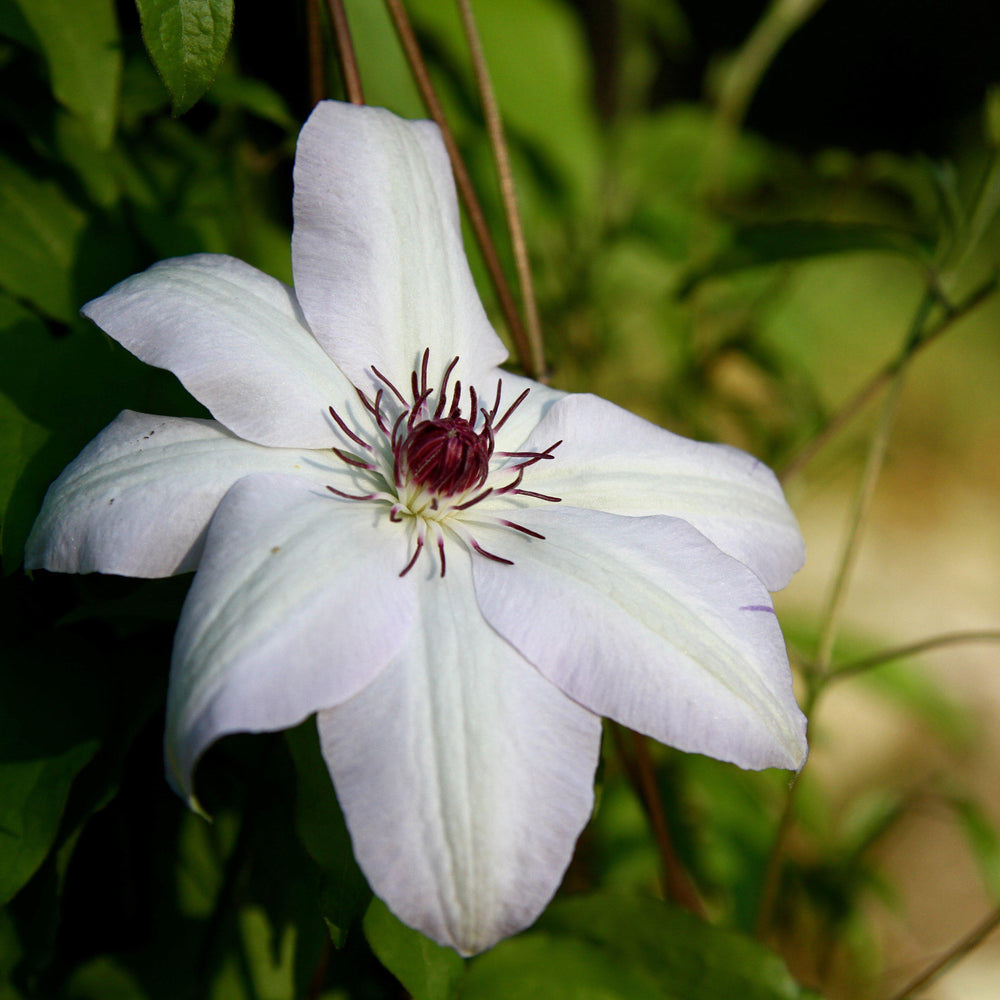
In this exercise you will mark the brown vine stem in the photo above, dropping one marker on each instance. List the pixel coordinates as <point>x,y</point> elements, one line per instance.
<point>856,667</point>
<point>411,48</point>
<point>345,49</point>
<point>954,954</point>
<point>882,377</point>
<point>501,157</point>
<point>314,43</point>
<point>677,885</point>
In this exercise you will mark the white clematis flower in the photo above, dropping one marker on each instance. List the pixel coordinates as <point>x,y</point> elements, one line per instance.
<point>458,570</point>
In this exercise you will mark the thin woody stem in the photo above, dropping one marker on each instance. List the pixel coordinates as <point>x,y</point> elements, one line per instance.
<point>954,954</point>
<point>817,677</point>
<point>463,181</point>
<point>501,156</point>
<point>856,667</point>
<point>883,376</point>
<point>345,49</point>
<point>314,42</point>
<point>677,885</point>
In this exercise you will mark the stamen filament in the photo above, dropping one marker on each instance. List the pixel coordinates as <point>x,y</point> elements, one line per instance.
<point>347,430</point>
<point>490,555</point>
<point>352,496</point>
<point>390,386</point>
<point>350,459</point>
<point>522,528</point>
<point>510,409</point>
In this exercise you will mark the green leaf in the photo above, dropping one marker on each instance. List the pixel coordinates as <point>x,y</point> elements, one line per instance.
<point>50,718</point>
<point>40,231</point>
<point>428,971</point>
<point>323,833</point>
<point>187,41</point>
<point>758,245</point>
<point>609,946</point>
<point>79,39</point>
<point>539,966</point>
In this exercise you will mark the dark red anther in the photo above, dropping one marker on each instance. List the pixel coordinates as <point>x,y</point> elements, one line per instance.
<point>446,455</point>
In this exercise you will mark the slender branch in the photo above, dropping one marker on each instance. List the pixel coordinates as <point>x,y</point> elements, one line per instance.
<point>345,49</point>
<point>883,376</point>
<point>742,78</point>
<point>954,954</point>
<point>877,450</point>
<point>856,667</point>
<point>501,156</point>
<point>776,862</point>
<point>463,181</point>
<point>314,42</point>
<point>677,885</point>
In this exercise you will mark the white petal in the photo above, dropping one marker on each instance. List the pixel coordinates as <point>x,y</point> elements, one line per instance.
<point>643,620</point>
<point>529,411</point>
<point>465,777</point>
<point>237,340</point>
<point>614,461</point>
<point>296,606</point>
<point>137,500</point>
<point>377,252</point>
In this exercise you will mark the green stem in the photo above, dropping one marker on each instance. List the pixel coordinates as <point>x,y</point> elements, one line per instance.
<point>742,78</point>
<point>856,667</point>
<point>883,376</point>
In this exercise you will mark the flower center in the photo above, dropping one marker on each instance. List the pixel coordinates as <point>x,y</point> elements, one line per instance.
<point>447,456</point>
<point>430,465</point>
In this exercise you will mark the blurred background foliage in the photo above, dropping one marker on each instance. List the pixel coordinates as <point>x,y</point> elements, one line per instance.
<point>737,214</point>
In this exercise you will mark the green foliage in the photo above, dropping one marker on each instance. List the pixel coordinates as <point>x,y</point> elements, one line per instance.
<point>187,41</point>
<point>428,971</point>
<point>608,946</point>
<point>79,40</point>
<point>746,314</point>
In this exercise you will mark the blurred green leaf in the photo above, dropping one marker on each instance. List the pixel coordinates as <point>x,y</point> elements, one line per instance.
<point>983,838</point>
<point>187,41</point>
<point>758,245</point>
<point>427,970</point>
<point>254,96</point>
<point>40,231</point>
<point>51,715</point>
<point>919,693</point>
<point>103,979</point>
<point>79,39</point>
<point>323,832</point>
<point>607,946</point>
<point>540,966</point>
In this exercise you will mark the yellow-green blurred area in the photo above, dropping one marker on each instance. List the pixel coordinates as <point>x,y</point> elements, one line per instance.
<point>734,212</point>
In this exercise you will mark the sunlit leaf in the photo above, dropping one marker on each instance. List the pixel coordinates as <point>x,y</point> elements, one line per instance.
<point>428,971</point>
<point>79,39</point>
<point>610,946</point>
<point>187,41</point>
<point>540,966</point>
